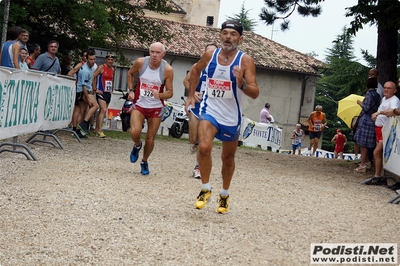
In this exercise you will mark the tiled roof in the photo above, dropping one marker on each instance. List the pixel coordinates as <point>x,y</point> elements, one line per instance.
<point>189,40</point>
<point>171,4</point>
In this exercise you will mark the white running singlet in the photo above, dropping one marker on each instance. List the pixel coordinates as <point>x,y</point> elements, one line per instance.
<point>222,98</point>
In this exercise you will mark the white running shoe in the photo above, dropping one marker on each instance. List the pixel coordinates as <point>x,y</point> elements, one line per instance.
<point>196,173</point>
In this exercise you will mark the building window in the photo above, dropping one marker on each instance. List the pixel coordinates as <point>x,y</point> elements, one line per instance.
<point>120,78</point>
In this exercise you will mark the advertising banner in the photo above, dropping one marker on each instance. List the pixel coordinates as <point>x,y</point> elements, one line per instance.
<point>391,145</point>
<point>32,101</point>
<point>265,135</point>
<point>327,154</point>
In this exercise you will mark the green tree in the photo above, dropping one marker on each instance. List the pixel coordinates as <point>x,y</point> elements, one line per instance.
<point>383,13</point>
<point>371,59</point>
<point>243,17</point>
<point>6,12</point>
<point>343,77</point>
<point>77,24</point>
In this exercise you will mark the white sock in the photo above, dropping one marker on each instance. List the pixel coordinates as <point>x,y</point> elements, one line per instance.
<point>206,186</point>
<point>224,192</point>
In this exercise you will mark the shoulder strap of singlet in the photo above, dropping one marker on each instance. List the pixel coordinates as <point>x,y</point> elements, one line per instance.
<point>161,68</point>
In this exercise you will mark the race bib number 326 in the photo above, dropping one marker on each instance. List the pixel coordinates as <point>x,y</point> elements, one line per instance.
<point>219,88</point>
<point>146,90</point>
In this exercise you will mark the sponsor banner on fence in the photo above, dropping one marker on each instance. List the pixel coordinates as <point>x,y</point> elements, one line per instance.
<point>266,135</point>
<point>327,154</point>
<point>391,145</point>
<point>32,101</point>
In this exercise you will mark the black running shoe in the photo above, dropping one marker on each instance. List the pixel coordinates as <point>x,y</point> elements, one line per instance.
<point>396,186</point>
<point>375,181</point>
<point>80,134</point>
<point>84,127</point>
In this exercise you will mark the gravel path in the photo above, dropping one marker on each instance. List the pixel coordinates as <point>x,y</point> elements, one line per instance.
<point>88,205</point>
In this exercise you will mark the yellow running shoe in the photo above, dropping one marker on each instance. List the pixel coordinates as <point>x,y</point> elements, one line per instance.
<point>223,204</point>
<point>202,199</point>
<point>100,134</point>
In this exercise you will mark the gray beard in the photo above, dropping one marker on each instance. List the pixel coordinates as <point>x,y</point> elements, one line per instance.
<point>229,48</point>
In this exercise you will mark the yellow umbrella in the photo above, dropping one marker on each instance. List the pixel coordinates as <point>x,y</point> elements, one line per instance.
<point>348,108</point>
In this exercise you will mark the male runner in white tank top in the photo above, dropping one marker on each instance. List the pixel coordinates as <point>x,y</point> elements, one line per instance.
<point>230,75</point>
<point>154,86</point>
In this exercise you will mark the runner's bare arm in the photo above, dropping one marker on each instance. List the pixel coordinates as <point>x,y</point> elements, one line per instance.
<point>16,47</point>
<point>74,70</point>
<point>195,77</point>
<point>186,81</point>
<point>246,77</point>
<point>137,65</point>
<point>98,71</point>
<point>310,119</point>
<point>169,77</point>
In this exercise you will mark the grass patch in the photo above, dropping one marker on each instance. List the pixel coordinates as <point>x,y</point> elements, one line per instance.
<point>118,134</point>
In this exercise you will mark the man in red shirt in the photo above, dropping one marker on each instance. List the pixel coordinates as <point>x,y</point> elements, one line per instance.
<point>341,141</point>
<point>103,86</point>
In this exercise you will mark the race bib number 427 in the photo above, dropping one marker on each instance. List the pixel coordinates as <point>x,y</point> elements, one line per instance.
<point>219,88</point>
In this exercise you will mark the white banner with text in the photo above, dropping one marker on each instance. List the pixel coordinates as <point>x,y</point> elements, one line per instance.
<point>391,145</point>
<point>32,101</point>
<point>266,135</point>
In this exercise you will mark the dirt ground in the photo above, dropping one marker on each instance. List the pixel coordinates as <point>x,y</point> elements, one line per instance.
<point>88,205</point>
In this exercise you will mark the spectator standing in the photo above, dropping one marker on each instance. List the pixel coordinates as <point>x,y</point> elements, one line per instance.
<point>103,79</point>
<point>265,116</point>
<point>356,149</point>
<point>374,73</point>
<point>365,133</point>
<point>48,62</point>
<point>89,104</point>
<point>393,112</point>
<point>340,141</point>
<point>16,47</point>
<point>34,52</point>
<point>220,110</point>
<point>23,54</point>
<point>6,54</point>
<point>389,101</point>
<point>65,64</point>
<point>81,102</point>
<point>297,138</point>
<point>154,86</point>
<point>74,72</point>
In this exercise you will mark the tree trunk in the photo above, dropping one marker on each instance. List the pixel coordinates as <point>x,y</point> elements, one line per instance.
<point>5,21</point>
<point>387,47</point>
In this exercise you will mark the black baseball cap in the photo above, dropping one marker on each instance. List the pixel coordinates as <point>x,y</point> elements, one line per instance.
<point>231,24</point>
